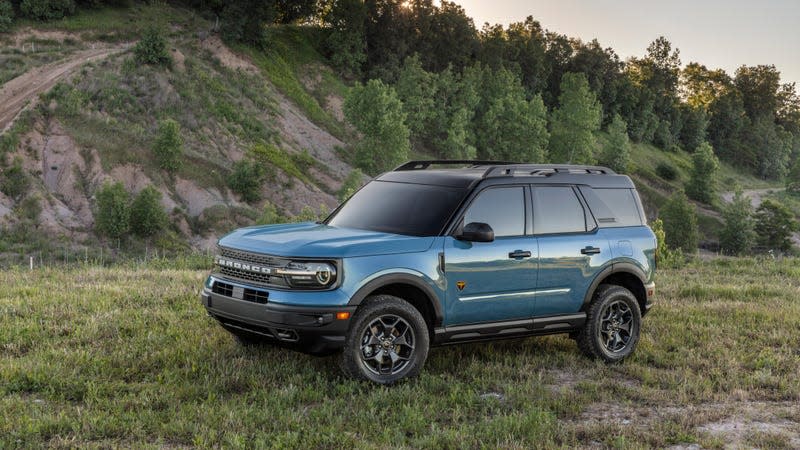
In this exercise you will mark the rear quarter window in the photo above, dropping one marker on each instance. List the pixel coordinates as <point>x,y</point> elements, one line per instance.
<point>613,207</point>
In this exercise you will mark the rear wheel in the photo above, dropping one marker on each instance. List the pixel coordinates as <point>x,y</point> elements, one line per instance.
<point>387,341</point>
<point>612,326</point>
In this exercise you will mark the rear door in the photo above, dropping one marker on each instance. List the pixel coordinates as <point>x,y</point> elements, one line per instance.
<point>571,251</point>
<point>493,281</point>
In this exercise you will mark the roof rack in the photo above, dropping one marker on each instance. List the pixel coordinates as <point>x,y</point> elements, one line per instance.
<point>545,170</point>
<point>424,164</point>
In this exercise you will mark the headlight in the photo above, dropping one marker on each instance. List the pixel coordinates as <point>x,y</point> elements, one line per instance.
<point>309,274</point>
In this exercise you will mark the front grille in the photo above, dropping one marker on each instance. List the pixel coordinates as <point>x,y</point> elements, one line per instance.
<point>222,289</point>
<point>253,258</point>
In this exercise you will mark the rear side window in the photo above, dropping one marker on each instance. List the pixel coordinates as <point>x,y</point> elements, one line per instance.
<point>502,208</point>
<point>556,209</point>
<point>613,207</point>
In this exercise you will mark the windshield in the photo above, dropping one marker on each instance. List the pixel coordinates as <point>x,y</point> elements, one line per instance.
<point>400,208</point>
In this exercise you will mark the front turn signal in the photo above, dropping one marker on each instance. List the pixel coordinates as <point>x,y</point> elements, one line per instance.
<point>342,315</point>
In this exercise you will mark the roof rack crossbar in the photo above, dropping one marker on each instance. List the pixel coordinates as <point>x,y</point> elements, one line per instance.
<point>424,164</point>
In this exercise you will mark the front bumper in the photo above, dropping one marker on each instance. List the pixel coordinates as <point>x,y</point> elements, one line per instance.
<point>314,329</point>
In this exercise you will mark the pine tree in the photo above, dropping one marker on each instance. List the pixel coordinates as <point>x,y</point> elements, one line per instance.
<point>704,169</point>
<point>737,235</point>
<point>377,114</point>
<point>617,151</point>
<point>775,224</point>
<point>574,122</point>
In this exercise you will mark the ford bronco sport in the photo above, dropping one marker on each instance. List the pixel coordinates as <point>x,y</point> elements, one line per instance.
<point>443,252</point>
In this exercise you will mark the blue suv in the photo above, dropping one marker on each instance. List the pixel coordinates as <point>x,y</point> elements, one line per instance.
<point>443,252</point>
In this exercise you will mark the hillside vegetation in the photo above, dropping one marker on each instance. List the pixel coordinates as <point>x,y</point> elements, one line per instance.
<point>96,357</point>
<point>265,108</point>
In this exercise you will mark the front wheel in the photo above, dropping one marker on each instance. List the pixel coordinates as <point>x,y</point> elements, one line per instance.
<point>613,321</point>
<point>387,341</point>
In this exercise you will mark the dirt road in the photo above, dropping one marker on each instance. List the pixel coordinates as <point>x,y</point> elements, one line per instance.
<point>25,89</point>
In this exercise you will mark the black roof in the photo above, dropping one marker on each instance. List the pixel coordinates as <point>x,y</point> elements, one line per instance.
<point>466,174</point>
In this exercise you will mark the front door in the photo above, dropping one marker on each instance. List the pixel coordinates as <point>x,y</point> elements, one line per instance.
<point>492,281</point>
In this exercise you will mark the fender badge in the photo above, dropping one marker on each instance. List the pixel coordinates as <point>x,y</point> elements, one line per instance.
<point>461,285</point>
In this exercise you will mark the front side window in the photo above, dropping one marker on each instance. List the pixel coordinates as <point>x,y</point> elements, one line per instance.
<point>502,208</point>
<point>556,209</point>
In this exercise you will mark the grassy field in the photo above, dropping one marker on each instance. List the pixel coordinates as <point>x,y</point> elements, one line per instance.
<point>126,357</point>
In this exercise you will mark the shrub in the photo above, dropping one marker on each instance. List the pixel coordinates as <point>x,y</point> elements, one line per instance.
<point>14,181</point>
<point>246,180</point>
<point>664,256</point>
<point>47,9</point>
<point>666,171</point>
<point>737,236</point>
<point>29,208</point>
<point>152,49</point>
<point>113,210</point>
<point>147,215</point>
<point>168,148</point>
<point>6,15</point>
<point>353,182</point>
<point>775,224</point>
<point>680,223</point>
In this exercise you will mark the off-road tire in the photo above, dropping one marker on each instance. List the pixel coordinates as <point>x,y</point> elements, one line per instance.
<point>362,330</point>
<point>598,316</point>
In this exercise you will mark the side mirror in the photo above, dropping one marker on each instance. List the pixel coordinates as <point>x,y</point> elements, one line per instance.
<point>476,232</point>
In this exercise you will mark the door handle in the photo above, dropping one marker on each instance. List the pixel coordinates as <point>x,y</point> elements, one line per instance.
<point>589,250</point>
<point>517,254</point>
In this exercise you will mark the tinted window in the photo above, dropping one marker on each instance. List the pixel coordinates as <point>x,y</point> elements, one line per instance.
<point>557,210</point>
<point>400,208</point>
<point>502,208</point>
<point>613,207</point>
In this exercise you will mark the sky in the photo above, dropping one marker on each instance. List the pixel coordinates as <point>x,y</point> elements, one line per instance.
<point>717,33</point>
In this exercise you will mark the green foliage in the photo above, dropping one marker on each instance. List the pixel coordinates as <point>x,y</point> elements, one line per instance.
<point>416,88</point>
<point>665,257</point>
<point>269,155</point>
<point>47,9</point>
<point>6,15</point>
<point>246,179</point>
<point>617,151</point>
<point>345,43</point>
<point>147,216</point>
<point>246,20</point>
<point>270,215</point>
<point>14,181</point>
<point>666,171</point>
<point>774,226</point>
<point>353,182</point>
<point>704,169</point>
<point>680,223</point>
<point>29,208</point>
<point>509,127</point>
<point>738,236</point>
<point>113,214</point>
<point>693,129</point>
<point>152,49</point>
<point>377,113</point>
<point>793,178</point>
<point>574,122</point>
<point>168,148</point>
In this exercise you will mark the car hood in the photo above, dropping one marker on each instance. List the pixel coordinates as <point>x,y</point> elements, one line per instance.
<point>313,240</point>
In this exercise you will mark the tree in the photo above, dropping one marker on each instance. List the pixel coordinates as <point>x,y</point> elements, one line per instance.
<point>737,235</point>
<point>345,42</point>
<point>416,88</point>
<point>704,169</point>
<point>680,223</point>
<point>774,226</point>
<point>113,210</point>
<point>147,216</point>
<point>152,49</point>
<point>617,151</point>
<point>168,147</point>
<point>574,122</point>
<point>793,178</point>
<point>694,126</point>
<point>47,9</point>
<point>6,15</point>
<point>14,180</point>
<point>245,20</point>
<point>759,87</point>
<point>377,114</point>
